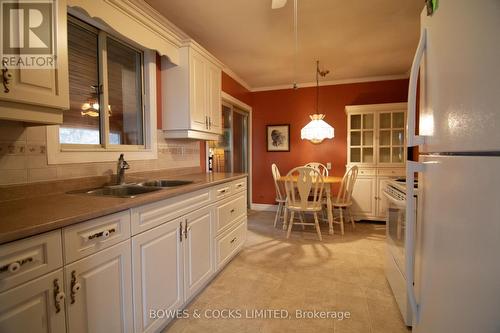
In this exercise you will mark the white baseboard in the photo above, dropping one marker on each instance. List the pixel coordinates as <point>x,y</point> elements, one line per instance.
<point>264,207</point>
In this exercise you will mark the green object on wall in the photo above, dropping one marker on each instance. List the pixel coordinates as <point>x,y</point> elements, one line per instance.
<point>432,6</point>
<point>435,5</point>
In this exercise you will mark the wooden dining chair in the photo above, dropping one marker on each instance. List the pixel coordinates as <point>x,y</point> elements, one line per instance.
<point>318,166</point>
<point>280,195</point>
<point>344,198</point>
<point>304,189</point>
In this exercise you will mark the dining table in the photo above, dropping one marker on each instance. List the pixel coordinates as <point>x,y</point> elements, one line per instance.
<point>329,181</point>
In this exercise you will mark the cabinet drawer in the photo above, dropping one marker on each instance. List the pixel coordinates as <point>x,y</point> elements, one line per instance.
<point>231,243</point>
<point>151,215</point>
<point>230,210</point>
<point>83,239</point>
<point>391,172</point>
<point>239,185</point>
<point>367,172</point>
<point>29,258</point>
<point>222,190</point>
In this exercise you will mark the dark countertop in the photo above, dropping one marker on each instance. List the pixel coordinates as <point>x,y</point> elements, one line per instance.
<point>30,216</point>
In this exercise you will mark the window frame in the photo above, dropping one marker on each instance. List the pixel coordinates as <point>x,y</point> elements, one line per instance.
<point>58,153</point>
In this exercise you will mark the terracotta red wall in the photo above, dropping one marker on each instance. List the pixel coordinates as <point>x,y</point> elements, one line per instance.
<point>294,107</point>
<point>233,88</point>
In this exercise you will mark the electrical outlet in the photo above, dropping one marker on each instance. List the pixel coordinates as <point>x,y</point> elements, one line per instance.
<point>329,166</point>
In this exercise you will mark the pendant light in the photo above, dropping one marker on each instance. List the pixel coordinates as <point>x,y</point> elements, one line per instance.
<point>317,129</point>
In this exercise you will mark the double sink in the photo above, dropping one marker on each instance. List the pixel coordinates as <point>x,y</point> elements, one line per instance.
<point>131,190</point>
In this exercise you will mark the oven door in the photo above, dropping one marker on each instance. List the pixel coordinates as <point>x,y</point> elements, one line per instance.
<point>396,230</point>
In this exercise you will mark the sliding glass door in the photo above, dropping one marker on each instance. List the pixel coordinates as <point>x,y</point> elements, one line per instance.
<point>230,153</point>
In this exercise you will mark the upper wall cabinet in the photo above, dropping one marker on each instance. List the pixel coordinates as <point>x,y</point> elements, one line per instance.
<point>37,95</point>
<point>192,95</point>
<point>376,135</point>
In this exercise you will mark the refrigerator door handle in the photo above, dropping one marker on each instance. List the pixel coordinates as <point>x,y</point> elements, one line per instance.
<point>410,236</point>
<point>412,139</point>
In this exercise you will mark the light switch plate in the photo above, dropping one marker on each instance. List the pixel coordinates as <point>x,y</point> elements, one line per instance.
<point>329,166</point>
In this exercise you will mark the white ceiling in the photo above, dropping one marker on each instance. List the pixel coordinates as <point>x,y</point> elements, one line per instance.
<point>353,39</point>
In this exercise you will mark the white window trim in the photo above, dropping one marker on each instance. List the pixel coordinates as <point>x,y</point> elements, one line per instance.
<point>58,155</point>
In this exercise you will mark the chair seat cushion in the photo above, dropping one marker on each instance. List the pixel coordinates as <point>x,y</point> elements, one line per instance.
<point>310,207</point>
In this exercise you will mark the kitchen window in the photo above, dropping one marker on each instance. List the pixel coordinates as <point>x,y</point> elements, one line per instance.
<point>105,84</point>
<point>109,107</point>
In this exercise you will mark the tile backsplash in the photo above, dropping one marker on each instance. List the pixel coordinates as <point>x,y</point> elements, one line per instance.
<point>23,157</point>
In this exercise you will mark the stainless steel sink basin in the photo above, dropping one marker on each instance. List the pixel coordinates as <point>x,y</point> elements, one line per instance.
<point>120,191</point>
<point>165,183</point>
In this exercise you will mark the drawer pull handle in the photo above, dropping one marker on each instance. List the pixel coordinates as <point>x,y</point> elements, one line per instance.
<point>232,211</point>
<point>186,229</point>
<point>58,296</point>
<point>15,267</point>
<point>104,234</point>
<point>75,287</point>
<point>181,233</point>
<point>239,185</point>
<point>233,240</point>
<point>222,191</point>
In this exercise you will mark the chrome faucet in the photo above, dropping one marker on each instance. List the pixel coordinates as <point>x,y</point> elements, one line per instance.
<point>120,170</point>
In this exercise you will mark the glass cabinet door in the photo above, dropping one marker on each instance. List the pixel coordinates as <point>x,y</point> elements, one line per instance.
<point>391,137</point>
<point>362,138</point>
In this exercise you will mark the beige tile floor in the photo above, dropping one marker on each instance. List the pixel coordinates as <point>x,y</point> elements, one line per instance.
<point>339,274</point>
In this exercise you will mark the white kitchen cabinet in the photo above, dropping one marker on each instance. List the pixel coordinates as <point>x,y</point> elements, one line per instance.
<point>109,282</point>
<point>157,265</point>
<point>36,306</point>
<point>180,252</point>
<point>363,196</point>
<point>192,95</point>
<point>214,97</point>
<point>99,291</point>
<point>376,144</point>
<point>199,237</point>
<point>39,95</point>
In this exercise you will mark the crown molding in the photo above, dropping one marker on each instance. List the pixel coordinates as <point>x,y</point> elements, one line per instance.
<point>334,82</point>
<point>236,77</point>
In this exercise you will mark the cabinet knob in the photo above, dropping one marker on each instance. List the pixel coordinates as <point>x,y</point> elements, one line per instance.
<point>105,234</point>
<point>233,240</point>
<point>14,267</point>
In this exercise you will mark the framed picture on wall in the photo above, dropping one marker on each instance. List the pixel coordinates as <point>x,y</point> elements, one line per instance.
<point>278,137</point>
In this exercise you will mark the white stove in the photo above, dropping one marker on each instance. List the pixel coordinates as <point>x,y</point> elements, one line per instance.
<point>395,270</point>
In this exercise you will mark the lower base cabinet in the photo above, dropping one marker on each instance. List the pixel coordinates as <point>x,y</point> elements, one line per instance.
<point>179,252</point>
<point>36,306</point>
<point>98,291</point>
<point>110,280</point>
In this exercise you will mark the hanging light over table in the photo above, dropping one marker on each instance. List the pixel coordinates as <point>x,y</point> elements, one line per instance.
<point>317,129</point>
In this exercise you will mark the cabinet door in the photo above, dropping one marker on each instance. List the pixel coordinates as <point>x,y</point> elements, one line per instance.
<point>198,96</point>
<point>198,249</point>
<point>43,87</point>
<point>381,199</point>
<point>214,98</point>
<point>157,265</point>
<point>31,307</point>
<point>363,197</point>
<point>99,291</point>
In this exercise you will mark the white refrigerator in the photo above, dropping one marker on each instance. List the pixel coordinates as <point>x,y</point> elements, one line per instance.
<point>453,245</point>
